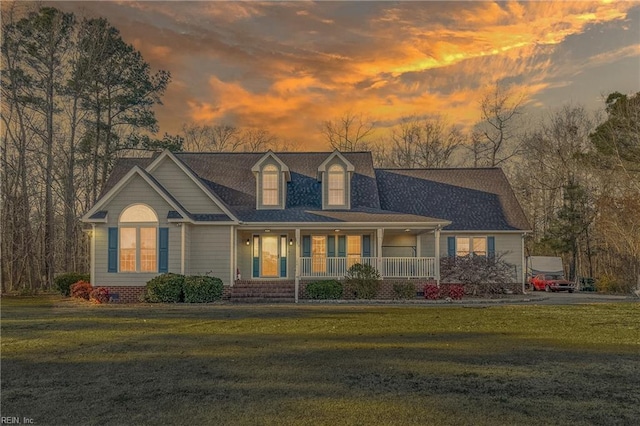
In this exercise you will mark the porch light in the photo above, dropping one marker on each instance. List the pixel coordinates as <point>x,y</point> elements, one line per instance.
<point>248,242</point>
<point>267,230</point>
<point>290,241</point>
<point>407,230</point>
<point>337,230</point>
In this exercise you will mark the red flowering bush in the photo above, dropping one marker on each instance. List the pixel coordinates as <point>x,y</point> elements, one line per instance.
<point>81,290</point>
<point>456,291</point>
<point>99,295</point>
<point>431,292</point>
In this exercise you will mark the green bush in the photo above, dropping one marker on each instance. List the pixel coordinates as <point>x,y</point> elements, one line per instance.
<point>405,290</point>
<point>363,281</point>
<point>202,289</point>
<point>164,288</point>
<point>324,290</point>
<point>63,282</point>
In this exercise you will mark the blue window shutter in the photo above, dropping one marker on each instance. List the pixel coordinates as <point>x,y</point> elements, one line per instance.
<point>366,246</point>
<point>491,247</point>
<point>283,266</point>
<point>112,263</point>
<point>163,249</point>
<point>342,246</point>
<point>331,246</point>
<point>451,246</point>
<point>306,246</point>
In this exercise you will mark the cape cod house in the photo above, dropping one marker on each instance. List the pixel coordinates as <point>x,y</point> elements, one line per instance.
<point>270,218</point>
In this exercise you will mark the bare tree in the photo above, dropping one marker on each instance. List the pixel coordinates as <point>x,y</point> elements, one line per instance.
<point>494,139</point>
<point>424,143</point>
<point>349,132</point>
<point>211,138</point>
<point>257,140</point>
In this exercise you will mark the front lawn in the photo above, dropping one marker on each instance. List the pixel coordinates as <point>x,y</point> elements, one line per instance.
<point>67,363</point>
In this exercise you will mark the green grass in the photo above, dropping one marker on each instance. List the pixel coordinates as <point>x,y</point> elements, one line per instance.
<point>67,363</point>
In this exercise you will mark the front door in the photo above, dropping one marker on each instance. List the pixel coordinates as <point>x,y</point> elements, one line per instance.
<point>269,256</point>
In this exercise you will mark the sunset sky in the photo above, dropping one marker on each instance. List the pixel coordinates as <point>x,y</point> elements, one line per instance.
<point>287,66</point>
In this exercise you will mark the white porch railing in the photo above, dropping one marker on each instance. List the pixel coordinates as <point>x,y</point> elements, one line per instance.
<point>389,267</point>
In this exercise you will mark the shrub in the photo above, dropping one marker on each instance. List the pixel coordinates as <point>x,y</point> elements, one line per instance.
<point>324,290</point>
<point>99,295</point>
<point>63,282</point>
<point>455,291</point>
<point>363,281</point>
<point>431,292</point>
<point>202,289</point>
<point>81,290</point>
<point>164,288</point>
<point>484,274</point>
<point>404,290</point>
<point>609,284</point>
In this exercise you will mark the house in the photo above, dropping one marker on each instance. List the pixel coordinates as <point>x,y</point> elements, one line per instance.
<point>292,217</point>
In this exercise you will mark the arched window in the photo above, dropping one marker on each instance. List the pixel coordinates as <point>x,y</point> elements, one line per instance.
<point>270,185</point>
<point>138,239</point>
<point>336,192</point>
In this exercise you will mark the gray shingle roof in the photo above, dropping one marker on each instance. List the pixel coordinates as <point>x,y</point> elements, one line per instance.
<point>472,199</point>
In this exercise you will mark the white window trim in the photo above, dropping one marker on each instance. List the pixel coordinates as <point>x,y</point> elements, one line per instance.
<point>471,250</point>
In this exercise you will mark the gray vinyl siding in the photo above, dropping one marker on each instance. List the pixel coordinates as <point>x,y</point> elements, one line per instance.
<point>136,190</point>
<point>183,188</point>
<point>245,254</point>
<point>509,245</point>
<point>402,245</point>
<point>210,251</point>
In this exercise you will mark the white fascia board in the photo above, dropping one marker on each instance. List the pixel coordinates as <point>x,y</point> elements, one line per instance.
<point>487,231</point>
<point>341,225</point>
<point>195,179</point>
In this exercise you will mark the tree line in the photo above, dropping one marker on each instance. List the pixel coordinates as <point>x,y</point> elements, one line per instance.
<point>76,96</point>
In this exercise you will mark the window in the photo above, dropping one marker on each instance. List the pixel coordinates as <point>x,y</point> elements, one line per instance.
<point>318,253</point>
<point>354,249</point>
<point>471,245</point>
<point>336,186</point>
<point>270,185</point>
<point>138,239</point>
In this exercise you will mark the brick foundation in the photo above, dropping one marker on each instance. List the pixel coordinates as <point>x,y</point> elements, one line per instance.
<point>133,294</point>
<point>125,294</point>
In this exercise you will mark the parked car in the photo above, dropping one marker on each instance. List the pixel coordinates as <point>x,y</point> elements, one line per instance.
<point>548,282</point>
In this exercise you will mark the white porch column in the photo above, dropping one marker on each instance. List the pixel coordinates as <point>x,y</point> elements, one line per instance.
<point>523,275</point>
<point>436,238</point>
<point>297,271</point>
<point>379,238</point>
<point>183,245</point>
<point>92,271</point>
<point>233,254</point>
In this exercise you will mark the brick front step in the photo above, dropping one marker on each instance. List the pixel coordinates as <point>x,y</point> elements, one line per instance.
<point>263,292</point>
<point>262,300</point>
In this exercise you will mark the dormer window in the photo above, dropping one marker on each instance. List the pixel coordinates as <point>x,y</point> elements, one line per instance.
<point>270,184</point>
<point>336,184</point>
<point>335,173</point>
<point>272,175</point>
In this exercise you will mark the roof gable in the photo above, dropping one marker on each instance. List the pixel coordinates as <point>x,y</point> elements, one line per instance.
<point>92,216</point>
<point>199,189</point>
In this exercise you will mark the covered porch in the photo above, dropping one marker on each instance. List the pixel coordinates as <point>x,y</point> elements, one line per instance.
<point>270,254</point>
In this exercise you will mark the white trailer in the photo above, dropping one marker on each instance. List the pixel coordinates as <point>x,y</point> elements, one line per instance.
<point>544,265</point>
